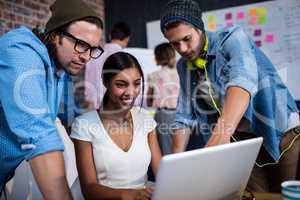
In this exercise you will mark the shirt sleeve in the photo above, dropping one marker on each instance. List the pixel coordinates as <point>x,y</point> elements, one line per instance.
<point>242,62</point>
<point>80,130</point>
<point>184,117</point>
<point>23,94</point>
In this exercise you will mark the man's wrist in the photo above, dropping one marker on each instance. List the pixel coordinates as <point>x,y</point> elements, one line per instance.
<point>223,127</point>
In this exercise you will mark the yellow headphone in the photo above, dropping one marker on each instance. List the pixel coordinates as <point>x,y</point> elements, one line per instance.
<point>199,62</point>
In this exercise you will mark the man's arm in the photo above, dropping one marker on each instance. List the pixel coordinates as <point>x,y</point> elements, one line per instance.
<point>49,173</point>
<point>155,151</point>
<point>180,139</point>
<point>241,86</point>
<point>24,98</point>
<point>235,105</point>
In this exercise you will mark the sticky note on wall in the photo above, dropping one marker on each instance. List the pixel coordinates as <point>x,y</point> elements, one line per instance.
<point>240,15</point>
<point>269,38</point>
<point>262,20</point>
<point>253,21</point>
<point>252,12</point>
<point>211,18</point>
<point>228,16</point>
<point>257,32</point>
<point>261,11</point>
<point>258,43</point>
<point>211,26</point>
<point>229,23</point>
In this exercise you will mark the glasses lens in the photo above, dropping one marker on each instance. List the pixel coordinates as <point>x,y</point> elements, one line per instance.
<point>81,47</point>
<point>96,52</point>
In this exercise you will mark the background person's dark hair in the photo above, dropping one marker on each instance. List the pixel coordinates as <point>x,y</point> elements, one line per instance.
<point>120,31</point>
<point>114,64</point>
<point>165,55</point>
<point>47,38</point>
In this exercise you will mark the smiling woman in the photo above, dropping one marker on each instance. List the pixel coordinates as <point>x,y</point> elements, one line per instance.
<point>122,74</point>
<point>115,144</point>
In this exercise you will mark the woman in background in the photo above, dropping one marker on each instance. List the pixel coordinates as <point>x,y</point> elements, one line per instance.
<point>115,144</point>
<point>163,92</point>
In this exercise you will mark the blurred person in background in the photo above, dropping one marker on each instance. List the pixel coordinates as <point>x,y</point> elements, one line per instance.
<point>162,94</point>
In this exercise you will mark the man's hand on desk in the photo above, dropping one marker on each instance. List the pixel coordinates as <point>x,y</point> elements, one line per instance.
<point>221,133</point>
<point>217,139</point>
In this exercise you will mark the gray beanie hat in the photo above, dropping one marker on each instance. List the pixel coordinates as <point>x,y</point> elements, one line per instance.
<point>181,10</point>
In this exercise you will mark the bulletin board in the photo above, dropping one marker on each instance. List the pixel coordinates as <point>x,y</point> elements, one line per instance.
<point>275,28</point>
<point>273,25</point>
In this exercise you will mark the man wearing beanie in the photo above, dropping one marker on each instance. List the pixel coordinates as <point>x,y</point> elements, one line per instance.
<point>33,68</point>
<point>231,91</point>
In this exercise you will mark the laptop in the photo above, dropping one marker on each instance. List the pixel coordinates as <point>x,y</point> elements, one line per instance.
<point>219,172</point>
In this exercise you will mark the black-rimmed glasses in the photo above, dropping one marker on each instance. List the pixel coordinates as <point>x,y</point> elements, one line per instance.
<point>81,46</point>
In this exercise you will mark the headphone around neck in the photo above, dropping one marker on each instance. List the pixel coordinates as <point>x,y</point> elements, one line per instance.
<point>200,61</point>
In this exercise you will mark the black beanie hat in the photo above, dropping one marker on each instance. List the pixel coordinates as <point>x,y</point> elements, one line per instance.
<point>182,10</point>
<point>67,11</point>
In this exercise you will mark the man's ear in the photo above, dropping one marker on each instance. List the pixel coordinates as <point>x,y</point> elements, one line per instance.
<point>55,38</point>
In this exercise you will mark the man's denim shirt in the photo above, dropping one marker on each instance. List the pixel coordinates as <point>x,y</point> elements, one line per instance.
<point>30,92</point>
<point>233,59</point>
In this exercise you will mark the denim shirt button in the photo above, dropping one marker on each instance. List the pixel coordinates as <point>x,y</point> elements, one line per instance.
<point>27,146</point>
<point>194,82</point>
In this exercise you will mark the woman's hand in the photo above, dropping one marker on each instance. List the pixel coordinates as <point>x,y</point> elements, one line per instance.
<point>137,194</point>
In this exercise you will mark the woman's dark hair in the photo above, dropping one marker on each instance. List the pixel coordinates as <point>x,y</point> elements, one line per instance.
<point>47,38</point>
<point>114,64</point>
<point>165,55</point>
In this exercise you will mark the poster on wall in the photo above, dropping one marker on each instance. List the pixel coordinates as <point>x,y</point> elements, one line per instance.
<point>273,25</point>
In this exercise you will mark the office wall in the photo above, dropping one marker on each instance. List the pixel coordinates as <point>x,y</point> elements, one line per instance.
<point>138,12</point>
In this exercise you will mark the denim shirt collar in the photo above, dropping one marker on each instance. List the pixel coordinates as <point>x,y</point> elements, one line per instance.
<point>211,52</point>
<point>211,44</point>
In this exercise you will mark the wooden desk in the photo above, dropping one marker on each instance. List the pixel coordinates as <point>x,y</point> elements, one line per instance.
<point>267,196</point>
